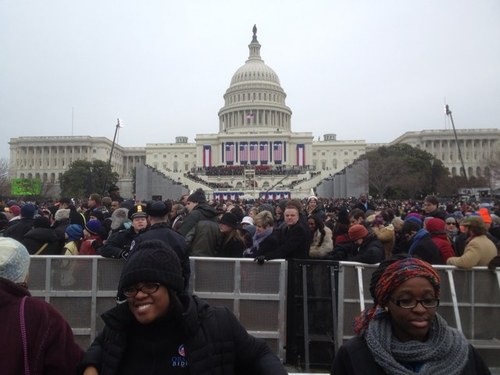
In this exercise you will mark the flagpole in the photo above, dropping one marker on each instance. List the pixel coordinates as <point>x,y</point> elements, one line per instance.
<point>448,113</point>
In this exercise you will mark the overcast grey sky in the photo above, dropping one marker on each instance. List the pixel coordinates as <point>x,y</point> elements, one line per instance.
<point>362,69</point>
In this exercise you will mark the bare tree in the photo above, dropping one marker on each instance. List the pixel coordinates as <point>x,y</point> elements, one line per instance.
<point>4,176</point>
<point>492,170</point>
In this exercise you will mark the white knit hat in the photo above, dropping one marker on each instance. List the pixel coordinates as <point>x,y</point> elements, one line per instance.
<point>14,260</point>
<point>247,220</point>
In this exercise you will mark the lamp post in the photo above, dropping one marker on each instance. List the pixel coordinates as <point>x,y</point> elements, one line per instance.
<point>118,126</point>
<point>433,182</point>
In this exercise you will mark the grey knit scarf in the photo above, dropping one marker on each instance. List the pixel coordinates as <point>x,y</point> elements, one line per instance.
<point>445,351</point>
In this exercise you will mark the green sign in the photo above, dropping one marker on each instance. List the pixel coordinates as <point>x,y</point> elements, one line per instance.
<point>25,186</point>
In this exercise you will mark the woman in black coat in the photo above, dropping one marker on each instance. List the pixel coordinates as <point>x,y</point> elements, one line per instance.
<point>263,241</point>
<point>162,329</point>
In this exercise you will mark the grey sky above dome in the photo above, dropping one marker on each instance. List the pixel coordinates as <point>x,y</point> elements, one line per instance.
<point>367,69</point>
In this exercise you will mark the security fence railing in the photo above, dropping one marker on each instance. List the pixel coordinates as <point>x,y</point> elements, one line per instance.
<point>470,302</point>
<point>82,288</point>
<point>302,308</point>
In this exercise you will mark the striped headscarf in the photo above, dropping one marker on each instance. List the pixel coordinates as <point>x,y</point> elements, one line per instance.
<point>393,276</point>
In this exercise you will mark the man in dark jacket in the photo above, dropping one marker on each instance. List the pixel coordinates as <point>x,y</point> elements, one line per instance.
<point>160,230</point>
<point>294,237</point>
<point>23,226</point>
<point>162,329</point>
<point>369,248</point>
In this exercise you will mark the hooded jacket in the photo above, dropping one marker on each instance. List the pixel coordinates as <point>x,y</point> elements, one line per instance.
<point>201,212</point>
<point>421,246</point>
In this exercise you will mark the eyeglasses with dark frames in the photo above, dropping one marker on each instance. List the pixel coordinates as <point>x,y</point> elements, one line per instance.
<point>411,303</point>
<point>146,288</point>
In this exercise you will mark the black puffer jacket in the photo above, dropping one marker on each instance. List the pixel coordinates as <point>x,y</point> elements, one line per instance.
<point>215,342</point>
<point>37,237</point>
<point>371,251</point>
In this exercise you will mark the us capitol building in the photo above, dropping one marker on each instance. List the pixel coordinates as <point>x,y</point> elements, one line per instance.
<point>254,149</point>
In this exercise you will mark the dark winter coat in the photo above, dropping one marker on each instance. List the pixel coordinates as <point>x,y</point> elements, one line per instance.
<point>371,251</point>
<point>293,243</point>
<point>201,212</point>
<point>118,244</point>
<point>268,244</point>
<point>50,343</point>
<point>37,237</point>
<point>162,232</point>
<point>214,342</point>
<point>60,229</point>
<point>231,247</point>
<point>18,230</point>
<point>421,246</point>
<point>354,358</point>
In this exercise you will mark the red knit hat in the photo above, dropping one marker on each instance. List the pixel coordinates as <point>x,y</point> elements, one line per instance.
<point>357,231</point>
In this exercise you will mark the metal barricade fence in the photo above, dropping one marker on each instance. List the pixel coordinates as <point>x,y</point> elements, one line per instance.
<point>303,309</point>
<point>82,288</point>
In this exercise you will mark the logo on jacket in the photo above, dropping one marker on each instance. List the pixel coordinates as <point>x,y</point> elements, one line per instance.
<point>180,360</point>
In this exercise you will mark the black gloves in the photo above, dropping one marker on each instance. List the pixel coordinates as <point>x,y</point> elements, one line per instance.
<point>260,259</point>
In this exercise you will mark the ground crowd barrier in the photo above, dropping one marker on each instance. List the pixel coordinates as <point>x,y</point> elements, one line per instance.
<point>83,287</point>
<point>302,308</point>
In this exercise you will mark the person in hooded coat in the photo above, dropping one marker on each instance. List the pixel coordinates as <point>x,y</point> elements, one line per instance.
<point>437,229</point>
<point>42,239</point>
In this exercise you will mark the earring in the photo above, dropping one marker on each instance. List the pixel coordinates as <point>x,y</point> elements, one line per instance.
<point>386,308</point>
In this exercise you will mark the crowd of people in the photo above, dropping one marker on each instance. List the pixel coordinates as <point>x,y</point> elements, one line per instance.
<point>156,309</point>
<point>463,235</point>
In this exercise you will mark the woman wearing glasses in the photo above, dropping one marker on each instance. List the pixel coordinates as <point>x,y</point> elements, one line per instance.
<point>161,329</point>
<point>402,333</point>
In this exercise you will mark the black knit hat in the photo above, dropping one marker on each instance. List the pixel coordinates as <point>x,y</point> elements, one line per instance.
<point>198,196</point>
<point>153,261</point>
<point>229,219</point>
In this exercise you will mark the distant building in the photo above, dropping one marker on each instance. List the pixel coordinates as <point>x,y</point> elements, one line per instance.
<point>254,131</point>
<point>476,145</point>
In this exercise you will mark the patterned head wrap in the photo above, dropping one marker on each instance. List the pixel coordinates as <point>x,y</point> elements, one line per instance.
<point>392,277</point>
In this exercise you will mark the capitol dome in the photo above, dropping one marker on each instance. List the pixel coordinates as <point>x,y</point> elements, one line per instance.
<point>255,100</point>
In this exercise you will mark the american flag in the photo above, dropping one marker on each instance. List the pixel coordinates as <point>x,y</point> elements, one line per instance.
<point>254,152</point>
<point>207,156</point>
<point>243,152</point>
<point>249,116</point>
<point>229,153</point>
<point>300,155</point>
<point>277,152</point>
<point>264,151</point>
